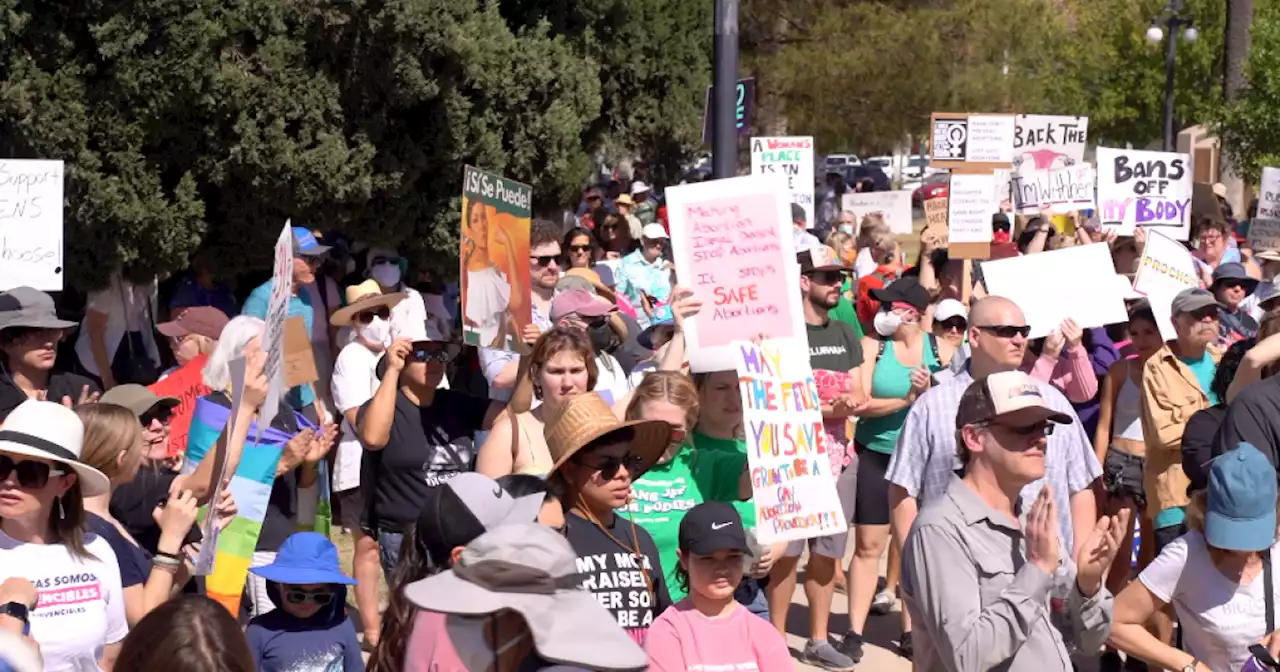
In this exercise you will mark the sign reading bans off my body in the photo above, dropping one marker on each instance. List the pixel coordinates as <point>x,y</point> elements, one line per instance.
<point>1148,189</point>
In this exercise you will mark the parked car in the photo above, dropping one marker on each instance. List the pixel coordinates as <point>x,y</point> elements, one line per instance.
<point>834,161</point>
<point>935,186</point>
<point>853,174</point>
<point>915,167</point>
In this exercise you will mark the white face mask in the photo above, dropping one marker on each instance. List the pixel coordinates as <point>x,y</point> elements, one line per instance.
<point>378,332</point>
<point>387,275</point>
<point>847,228</point>
<point>470,641</point>
<point>887,323</point>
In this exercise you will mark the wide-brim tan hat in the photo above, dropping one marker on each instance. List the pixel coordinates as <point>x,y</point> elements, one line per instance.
<point>1268,255</point>
<point>586,417</point>
<point>362,297</point>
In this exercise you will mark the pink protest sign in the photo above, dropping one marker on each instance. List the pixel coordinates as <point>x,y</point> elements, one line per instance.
<point>732,245</point>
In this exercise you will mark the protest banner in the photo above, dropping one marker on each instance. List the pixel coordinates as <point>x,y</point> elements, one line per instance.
<point>494,247</point>
<point>1165,269</point>
<point>299,357</point>
<point>969,210</point>
<point>1147,189</point>
<point>186,385</point>
<point>788,451</point>
<point>971,141</point>
<point>732,245</point>
<point>792,158</point>
<point>1045,142</point>
<point>273,335</point>
<point>1264,234</point>
<point>1269,194</point>
<point>1074,282</point>
<point>894,206</point>
<point>31,224</point>
<point>1071,188</point>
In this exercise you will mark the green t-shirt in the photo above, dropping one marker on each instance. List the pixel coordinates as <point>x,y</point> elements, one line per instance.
<point>667,491</point>
<point>845,311</point>
<point>747,509</point>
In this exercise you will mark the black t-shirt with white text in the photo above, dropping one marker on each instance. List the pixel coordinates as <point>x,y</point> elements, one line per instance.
<point>616,576</point>
<point>833,347</point>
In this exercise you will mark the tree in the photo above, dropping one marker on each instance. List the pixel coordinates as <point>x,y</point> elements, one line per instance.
<point>1249,125</point>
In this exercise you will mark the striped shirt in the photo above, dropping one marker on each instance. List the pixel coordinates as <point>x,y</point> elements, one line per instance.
<point>925,458</point>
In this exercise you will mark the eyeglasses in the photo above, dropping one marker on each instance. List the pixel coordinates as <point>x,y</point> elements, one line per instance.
<point>579,248</point>
<point>365,317</point>
<point>1233,284</point>
<point>31,475</point>
<point>953,324</point>
<point>1006,330</point>
<point>653,242</point>
<point>545,260</point>
<point>609,465</point>
<point>161,413</point>
<point>428,351</point>
<point>299,596</point>
<point>1211,237</point>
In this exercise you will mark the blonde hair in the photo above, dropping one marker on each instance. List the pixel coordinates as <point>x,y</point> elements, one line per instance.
<point>669,386</point>
<point>108,431</point>
<point>1198,508</point>
<point>872,225</point>
<point>838,239</point>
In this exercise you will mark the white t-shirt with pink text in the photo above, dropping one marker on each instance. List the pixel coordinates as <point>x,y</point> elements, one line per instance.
<point>81,601</point>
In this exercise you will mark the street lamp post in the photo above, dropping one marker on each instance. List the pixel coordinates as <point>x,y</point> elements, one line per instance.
<point>1172,19</point>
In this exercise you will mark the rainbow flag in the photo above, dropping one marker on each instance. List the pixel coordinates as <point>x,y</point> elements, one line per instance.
<point>251,487</point>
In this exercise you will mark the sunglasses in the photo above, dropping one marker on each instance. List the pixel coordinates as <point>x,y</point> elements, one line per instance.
<point>365,317</point>
<point>545,260</point>
<point>428,351</point>
<point>25,334</point>
<point>1006,330</point>
<point>313,262</point>
<point>378,261</point>
<point>299,596</point>
<point>579,248</point>
<point>953,324</point>
<point>31,475</point>
<point>1028,431</point>
<point>159,413</point>
<point>609,465</point>
<point>827,277</point>
<point>1207,311</point>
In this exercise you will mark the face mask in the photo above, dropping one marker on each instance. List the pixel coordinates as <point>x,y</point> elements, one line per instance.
<point>469,639</point>
<point>847,228</point>
<point>601,337</point>
<point>387,275</point>
<point>887,323</point>
<point>377,331</point>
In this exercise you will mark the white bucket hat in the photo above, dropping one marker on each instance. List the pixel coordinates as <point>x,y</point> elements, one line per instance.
<point>50,431</point>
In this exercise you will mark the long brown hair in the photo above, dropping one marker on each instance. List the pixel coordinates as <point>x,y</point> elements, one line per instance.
<point>560,339</point>
<point>108,431</point>
<point>192,634</point>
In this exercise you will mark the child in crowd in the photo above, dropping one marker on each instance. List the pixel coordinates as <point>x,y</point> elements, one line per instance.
<point>308,629</point>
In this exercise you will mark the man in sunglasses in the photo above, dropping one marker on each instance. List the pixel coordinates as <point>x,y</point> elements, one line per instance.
<point>977,577</point>
<point>29,334</point>
<point>502,366</point>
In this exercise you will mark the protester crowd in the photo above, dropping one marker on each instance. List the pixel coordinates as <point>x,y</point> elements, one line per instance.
<point>585,503</point>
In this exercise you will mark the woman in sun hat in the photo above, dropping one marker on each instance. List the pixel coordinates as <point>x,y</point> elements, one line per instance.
<point>596,457</point>
<point>81,617</point>
<point>515,605</point>
<point>29,334</point>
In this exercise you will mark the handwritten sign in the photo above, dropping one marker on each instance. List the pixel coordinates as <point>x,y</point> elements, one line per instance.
<point>792,158</point>
<point>894,206</point>
<point>299,357</point>
<point>793,486</point>
<point>1074,282</point>
<point>1264,234</point>
<point>1269,195</point>
<point>1165,269</point>
<point>935,213</point>
<point>732,244</point>
<point>973,140</point>
<point>1045,142</point>
<point>186,385</point>
<point>1147,189</point>
<point>31,224</point>
<point>969,208</point>
<point>273,336</point>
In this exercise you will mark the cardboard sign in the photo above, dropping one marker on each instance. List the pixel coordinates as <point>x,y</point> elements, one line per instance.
<point>935,213</point>
<point>1046,142</point>
<point>31,224</point>
<point>969,210</point>
<point>1269,194</point>
<point>792,158</point>
<point>273,337</point>
<point>1147,189</point>
<point>494,244</point>
<point>894,206</point>
<point>788,450</point>
<point>299,357</point>
<point>186,385</point>
<point>1264,234</point>
<point>732,244</point>
<point>1165,269</point>
<point>971,140</point>
<point>1074,282</point>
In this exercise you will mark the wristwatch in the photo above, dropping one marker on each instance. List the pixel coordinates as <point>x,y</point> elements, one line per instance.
<point>19,611</point>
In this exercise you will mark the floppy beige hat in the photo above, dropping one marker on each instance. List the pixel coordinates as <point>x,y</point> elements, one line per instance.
<point>362,297</point>
<point>586,417</point>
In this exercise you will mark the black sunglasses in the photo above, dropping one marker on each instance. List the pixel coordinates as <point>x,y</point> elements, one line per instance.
<point>544,260</point>
<point>579,248</point>
<point>1040,428</point>
<point>609,465</point>
<point>298,596</point>
<point>954,324</point>
<point>827,277</point>
<point>31,475</point>
<point>1006,330</point>
<point>161,413</point>
<point>429,351</point>
<point>365,317</point>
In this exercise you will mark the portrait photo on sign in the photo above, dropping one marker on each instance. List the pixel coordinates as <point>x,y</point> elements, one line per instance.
<point>494,255</point>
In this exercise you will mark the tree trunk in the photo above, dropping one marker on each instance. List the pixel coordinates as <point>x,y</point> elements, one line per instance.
<point>1235,52</point>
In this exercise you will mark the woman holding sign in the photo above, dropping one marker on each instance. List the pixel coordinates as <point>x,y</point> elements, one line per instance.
<point>488,291</point>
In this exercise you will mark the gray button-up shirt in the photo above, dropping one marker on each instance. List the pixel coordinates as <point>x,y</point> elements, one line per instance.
<point>976,603</point>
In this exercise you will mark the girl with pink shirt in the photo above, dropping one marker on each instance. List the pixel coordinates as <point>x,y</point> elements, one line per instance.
<point>709,630</point>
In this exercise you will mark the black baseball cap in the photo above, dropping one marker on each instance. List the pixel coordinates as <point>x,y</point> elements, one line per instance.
<point>906,290</point>
<point>710,527</point>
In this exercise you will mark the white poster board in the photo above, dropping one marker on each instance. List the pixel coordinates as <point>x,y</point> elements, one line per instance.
<point>1075,282</point>
<point>1269,194</point>
<point>31,224</point>
<point>1148,189</point>
<point>990,138</point>
<point>894,206</point>
<point>793,485</point>
<point>1070,189</point>
<point>793,158</point>
<point>1045,142</point>
<point>1165,269</point>
<point>732,245</point>
<point>970,204</point>
<point>273,337</point>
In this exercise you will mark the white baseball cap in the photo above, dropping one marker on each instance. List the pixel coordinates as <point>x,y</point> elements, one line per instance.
<point>653,231</point>
<point>638,187</point>
<point>949,308</point>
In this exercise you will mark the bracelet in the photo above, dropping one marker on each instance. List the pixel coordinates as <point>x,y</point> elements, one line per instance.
<point>171,556</point>
<point>165,561</point>
<point>164,567</point>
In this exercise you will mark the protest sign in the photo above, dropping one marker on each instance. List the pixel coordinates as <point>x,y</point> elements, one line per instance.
<point>186,385</point>
<point>299,357</point>
<point>971,140</point>
<point>792,158</point>
<point>1071,189</point>
<point>969,210</point>
<point>745,95</point>
<point>732,245</point>
<point>496,214</point>
<point>206,560</point>
<point>935,213</point>
<point>1264,234</point>
<point>1147,189</point>
<point>788,450</point>
<point>31,224</point>
<point>1029,190</point>
<point>1045,142</point>
<point>1165,269</point>
<point>894,206</point>
<point>1269,194</point>
<point>1074,282</point>
<point>273,336</point>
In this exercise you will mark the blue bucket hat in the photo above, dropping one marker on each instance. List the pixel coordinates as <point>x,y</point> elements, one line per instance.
<point>305,557</point>
<point>1241,511</point>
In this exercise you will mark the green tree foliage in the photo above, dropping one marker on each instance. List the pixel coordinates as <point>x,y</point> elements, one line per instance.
<point>181,118</point>
<point>1250,125</point>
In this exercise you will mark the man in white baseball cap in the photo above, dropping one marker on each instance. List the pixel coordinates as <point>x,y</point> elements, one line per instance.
<point>646,209</point>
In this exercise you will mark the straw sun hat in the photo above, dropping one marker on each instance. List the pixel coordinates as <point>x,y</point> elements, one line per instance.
<point>586,417</point>
<point>364,296</point>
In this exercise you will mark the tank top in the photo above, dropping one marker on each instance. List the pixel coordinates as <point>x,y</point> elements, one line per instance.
<point>1126,421</point>
<point>527,438</point>
<point>890,380</point>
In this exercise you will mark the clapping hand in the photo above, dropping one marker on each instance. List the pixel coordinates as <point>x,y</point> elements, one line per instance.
<point>1072,332</point>
<point>1053,344</point>
<point>1099,550</point>
<point>1042,533</point>
<point>920,380</point>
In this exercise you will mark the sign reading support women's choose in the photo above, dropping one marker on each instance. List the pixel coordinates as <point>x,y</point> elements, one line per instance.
<point>496,214</point>
<point>1147,189</point>
<point>793,158</point>
<point>793,487</point>
<point>31,224</point>
<point>732,245</point>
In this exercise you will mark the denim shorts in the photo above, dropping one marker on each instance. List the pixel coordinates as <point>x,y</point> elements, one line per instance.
<point>1122,476</point>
